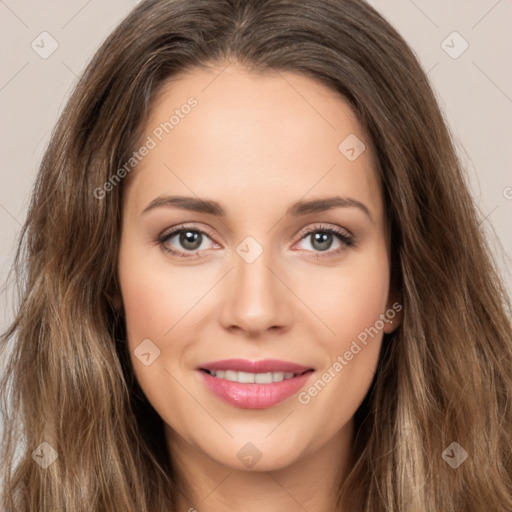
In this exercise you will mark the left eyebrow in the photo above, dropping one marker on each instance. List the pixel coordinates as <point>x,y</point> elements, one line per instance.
<point>295,210</point>
<point>324,204</point>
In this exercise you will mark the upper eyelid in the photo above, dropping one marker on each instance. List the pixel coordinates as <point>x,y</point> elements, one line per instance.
<point>175,230</point>
<point>302,233</point>
<point>324,227</point>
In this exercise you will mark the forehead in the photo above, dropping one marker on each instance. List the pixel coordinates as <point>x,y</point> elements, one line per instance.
<point>253,137</point>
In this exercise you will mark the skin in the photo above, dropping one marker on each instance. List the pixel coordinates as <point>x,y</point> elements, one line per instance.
<point>255,143</point>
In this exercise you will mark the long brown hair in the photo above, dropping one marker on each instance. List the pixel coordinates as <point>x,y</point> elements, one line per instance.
<point>444,376</point>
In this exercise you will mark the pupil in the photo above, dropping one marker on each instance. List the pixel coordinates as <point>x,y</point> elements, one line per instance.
<point>189,239</point>
<point>323,240</point>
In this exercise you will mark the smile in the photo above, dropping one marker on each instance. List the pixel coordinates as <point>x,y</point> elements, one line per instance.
<point>269,383</point>
<point>252,378</point>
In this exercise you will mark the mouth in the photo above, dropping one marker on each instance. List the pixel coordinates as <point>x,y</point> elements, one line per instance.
<point>254,384</point>
<point>253,378</point>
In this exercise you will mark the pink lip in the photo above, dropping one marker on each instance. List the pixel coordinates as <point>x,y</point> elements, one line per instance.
<point>255,396</point>
<point>263,366</point>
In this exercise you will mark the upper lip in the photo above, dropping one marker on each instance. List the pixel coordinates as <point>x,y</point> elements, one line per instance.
<point>262,366</point>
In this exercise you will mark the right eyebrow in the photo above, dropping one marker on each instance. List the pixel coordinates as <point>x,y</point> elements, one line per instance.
<point>187,203</point>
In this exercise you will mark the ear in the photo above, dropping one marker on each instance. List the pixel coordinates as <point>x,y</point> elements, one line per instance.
<point>114,298</point>
<point>116,301</point>
<point>393,314</point>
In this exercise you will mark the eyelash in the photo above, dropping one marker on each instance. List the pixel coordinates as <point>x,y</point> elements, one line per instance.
<point>343,236</point>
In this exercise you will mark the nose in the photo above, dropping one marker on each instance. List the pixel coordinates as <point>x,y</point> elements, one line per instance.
<point>256,298</point>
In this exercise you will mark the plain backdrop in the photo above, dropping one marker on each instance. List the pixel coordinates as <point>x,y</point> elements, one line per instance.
<point>463,45</point>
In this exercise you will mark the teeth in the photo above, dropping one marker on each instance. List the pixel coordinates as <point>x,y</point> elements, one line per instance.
<point>263,378</point>
<point>252,378</point>
<point>244,377</point>
<point>231,375</point>
<point>277,376</point>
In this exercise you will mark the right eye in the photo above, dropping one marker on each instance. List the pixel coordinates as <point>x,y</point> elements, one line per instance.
<point>189,238</point>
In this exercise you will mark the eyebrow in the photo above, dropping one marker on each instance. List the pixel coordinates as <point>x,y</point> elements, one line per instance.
<point>297,209</point>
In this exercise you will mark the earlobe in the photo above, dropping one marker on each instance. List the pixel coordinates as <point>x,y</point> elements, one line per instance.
<point>116,301</point>
<point>391,325</point>
<point>393,316</point>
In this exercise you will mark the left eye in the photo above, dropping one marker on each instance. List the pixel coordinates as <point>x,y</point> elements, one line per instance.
<point>322,239</point>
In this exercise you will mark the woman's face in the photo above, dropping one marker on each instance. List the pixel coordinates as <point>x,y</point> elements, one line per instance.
<point>262,269</point>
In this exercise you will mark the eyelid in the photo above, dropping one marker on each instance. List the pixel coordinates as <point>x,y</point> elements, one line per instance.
<point>344,236</point>
<point>182,227</point>
<point>171,232</point>
<point>324,227</point>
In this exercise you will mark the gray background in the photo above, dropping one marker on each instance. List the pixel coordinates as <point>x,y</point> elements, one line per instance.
<point>474,91</point>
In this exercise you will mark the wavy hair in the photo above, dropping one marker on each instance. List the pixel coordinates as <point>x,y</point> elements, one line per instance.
<point>445,375</point>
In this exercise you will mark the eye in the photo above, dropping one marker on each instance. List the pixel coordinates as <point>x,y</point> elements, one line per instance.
<point>190,240</point>
<point>321,239</point>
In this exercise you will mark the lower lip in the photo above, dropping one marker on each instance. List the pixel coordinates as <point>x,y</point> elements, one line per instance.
<point>254,396</point>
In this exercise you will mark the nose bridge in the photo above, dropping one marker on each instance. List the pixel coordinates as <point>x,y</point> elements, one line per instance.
<point>255,299</point>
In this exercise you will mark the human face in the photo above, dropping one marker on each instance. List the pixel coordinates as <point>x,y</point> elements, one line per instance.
<point>255,286</point>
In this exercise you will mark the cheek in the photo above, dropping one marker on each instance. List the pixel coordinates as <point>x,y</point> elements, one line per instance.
<point>156,296</point>
<point>358,300</point>
<point>148,310</point>
<point>162,303</point>
<point>350,304</point>
<point>151,304</point>
<point>359,321</point>
<point>349,298</point>
<point>155,302</point>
